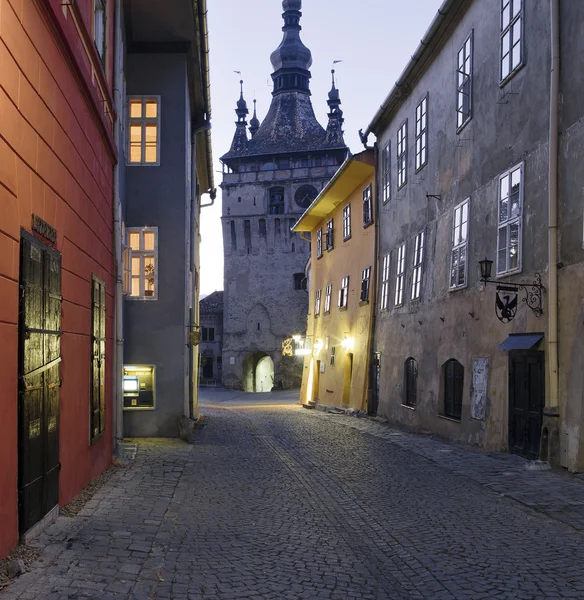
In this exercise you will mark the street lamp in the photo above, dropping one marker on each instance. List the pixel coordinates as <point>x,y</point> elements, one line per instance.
<point>506,298</point>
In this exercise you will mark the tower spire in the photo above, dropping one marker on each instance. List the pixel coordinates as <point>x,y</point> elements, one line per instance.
<point>239,143</point>
<point>254,124</point>
<point>334,130</point>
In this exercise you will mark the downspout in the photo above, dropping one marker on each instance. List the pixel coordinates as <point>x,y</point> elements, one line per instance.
<point>373,405</point>
<point>119,267</point>
<point>553,210</point>
<point>194,404</point>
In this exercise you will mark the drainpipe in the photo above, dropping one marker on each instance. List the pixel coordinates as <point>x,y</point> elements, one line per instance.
<point>372,409</point>
<point>119,267</point>
<point>553,210</point>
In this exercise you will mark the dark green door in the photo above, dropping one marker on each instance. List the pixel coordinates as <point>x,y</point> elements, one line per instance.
<point>39,380</point>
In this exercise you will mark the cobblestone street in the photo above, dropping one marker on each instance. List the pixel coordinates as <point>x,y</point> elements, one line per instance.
<point>274,501</point>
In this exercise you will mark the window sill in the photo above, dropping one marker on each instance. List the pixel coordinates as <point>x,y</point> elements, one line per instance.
<point>326,314</point>
<point>383,310</point>
<point>449,418</point>
<point>408,407</point>
<point>402,186</point>
<point>421,168</point>
<point>342,308</point>
<point>457,288</point>
<point>459,129</point>
<point>138,408</point>
<point>330,249</point>
<point>501,276</point>
<point>363,302</point>
<point>511,75</point>
<point>131,164</point>
<point>318,256</point>
<point>366,225</point>
<point>142,298</point>
<point>96,439</point>
<point>346,239</point>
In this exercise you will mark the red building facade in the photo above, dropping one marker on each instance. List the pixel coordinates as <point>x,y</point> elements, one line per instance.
<point>57,159</point>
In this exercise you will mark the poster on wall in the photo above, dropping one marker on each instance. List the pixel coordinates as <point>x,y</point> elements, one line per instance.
<point>478,393</point>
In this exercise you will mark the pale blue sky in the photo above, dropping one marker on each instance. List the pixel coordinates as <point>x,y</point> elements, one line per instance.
<point>374,38</point>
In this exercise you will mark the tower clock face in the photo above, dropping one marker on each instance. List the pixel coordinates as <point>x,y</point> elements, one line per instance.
<point>304,195</point>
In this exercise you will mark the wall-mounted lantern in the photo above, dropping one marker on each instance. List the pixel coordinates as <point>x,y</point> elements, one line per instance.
<point>507,293</point>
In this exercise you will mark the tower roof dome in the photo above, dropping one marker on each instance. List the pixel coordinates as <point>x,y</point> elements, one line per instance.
<point>291,53</point>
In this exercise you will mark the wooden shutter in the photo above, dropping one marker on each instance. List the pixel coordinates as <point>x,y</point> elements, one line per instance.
<point>97,402</point>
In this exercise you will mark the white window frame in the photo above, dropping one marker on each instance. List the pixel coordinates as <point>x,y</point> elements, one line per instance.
<point>400,275</point>
<point>100,28</point>
<point>344,292</point>
<point>422,134</point>
<point>385,273</point>
<point>367,206</point>
<point>460,230</point>
<point>143,121</point>
<point>127,267</point>
<point>365,285</point>
<point>402,155</point>
<point>330,235</point>
<point>328,292</point>
<point>141,254</point>
<point>346,222</point>
<point>418,266</point>
<point>512,25</point>
<point>464,76</point>
<point>386,173</point>
<point>317,296</point>
<point>319,243</point>
<point>509,221</point>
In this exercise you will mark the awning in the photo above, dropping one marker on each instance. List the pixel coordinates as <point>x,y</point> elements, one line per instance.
<point>521,341</point>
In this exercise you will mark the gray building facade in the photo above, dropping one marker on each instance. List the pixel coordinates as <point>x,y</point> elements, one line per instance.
<point>211,346</point>
<point>466,147</point>
<point>269,178</point>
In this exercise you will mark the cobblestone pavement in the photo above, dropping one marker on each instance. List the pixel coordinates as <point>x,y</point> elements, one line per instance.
<point>273,501</point>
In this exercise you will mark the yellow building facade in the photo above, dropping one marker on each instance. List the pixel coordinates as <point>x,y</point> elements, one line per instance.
<point>340,223</point>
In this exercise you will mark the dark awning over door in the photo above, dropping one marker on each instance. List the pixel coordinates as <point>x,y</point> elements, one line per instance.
<point>521,341</point>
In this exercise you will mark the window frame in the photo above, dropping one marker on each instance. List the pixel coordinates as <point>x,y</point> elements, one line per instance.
<point>457,246</point>
<point>402,155</point>
<point>97,405</point>
<point>344,293</point>
<point>418,266</point>
<point>452,401</point>
<point>385,282</point>
<point>410,398</point>
<point>317,300</point>
<point>328,293</point>
<point>346,222</point>
<point>330,235</point>
<point>319,243</point>
<point>461,83</point>
<point>386,173</point>
<point>127,267</point>
<point>143,121</point>
<point>141,254</point>
<point>272,192</point>
<point>368,206</point>
<point>510,221</point>
<point>100,6</point>
<point>520,16</point>
<point>400,276</point>
<point>421,141</point>
<point>365,285</point>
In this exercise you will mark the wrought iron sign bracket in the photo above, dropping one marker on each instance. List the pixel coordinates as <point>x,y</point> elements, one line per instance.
<point>507,297</point>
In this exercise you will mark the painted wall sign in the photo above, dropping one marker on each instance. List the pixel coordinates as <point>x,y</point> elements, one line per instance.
<point>478,394</point>
<point>44,229</point>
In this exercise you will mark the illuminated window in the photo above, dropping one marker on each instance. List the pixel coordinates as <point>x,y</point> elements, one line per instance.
<point>319,243</point>
<point>510,225</point>
<point>139,387</point>
<point>330,235</point>
<point>143,242</point>
<point>144,130</point>
<point>344,292</point>
<point>511,36</point>
<point>328,292</point>
<point>347,222</point>
<point>317,303</point>
<point>98,361</point>
<point>99,28</point>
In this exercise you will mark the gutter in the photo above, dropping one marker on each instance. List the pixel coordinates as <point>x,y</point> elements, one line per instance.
<point>396,92</point>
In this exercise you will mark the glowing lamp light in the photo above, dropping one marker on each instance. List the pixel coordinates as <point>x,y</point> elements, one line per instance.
<point>348,343</point>
<point>297,337</point>
<point>318,346</point>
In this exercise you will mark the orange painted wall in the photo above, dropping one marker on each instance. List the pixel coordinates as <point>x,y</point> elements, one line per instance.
<point>56,160</point>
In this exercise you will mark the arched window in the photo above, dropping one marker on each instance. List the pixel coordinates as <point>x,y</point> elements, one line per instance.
<point>453,383</point>
<point>411,382</point>
<point>277,201</point>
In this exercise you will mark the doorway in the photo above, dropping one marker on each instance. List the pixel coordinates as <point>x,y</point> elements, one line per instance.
<point>39,381</point>
<point>526,401</point>
<point>258,373</point>
<point>348,377</point>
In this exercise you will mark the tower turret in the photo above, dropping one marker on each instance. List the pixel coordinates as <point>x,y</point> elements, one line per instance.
<point>239,143</point>
<point>254,124</point>
<point>334,130</point>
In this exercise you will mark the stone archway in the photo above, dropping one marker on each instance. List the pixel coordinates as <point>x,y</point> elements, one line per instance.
<point>258,372</point>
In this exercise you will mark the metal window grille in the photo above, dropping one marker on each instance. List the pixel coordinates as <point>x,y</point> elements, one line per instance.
<point>384,304</point>
<point>144,131</point>
<point>511,36</point>
<point>319,243</point>
<point>386,173</point>
<point>277,201</point>
<point>418,264</point>
<point>458,262</point>
<point>365,284</point>
<point>402,155</point>
<point>400,275</point>
<point>317,303</point>
<point>453,386</point>
<point>367,206</point>
<point>328,292</point>
<point>411,382</point>
<point>330,235</point>
<point>347,222</point>
<point>510,220</point>
<point>464,83</point>
<point>422,134</point>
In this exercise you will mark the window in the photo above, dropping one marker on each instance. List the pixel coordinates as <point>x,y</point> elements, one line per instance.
<point>365,284</point>
<point>411,382</point>
<point>347,222</point>
<point>367,206</point>
<point>511,36</point>
<point>247,234</point>
<point>277,201</point>
<point>144,245</point>
<point>422,134</point>
<point>464,83</point>
<point>386,173</point>
<point>98,362</point>
<point>453,384</point>
<point>458,263</point>
<point>127,266</point>
<point>333,353</point>
<point>330,235</point>
<point>317,303</point>
<point>344,292</point>
<point>99,28</point>
<point>144,127</point>
<point>418,263</point>
<point>233,236</point>
<point>262,227</point>
<point>299,281</point>
<point>319,243</point>
<point>384,305</point>
<point>510,209</point>
<point>328,292</point>
<point>402,155</point>
<point>207,334</point>
<point>138,387</point>
<point>400,275</point>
